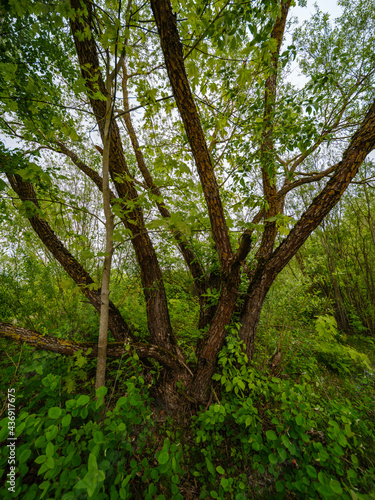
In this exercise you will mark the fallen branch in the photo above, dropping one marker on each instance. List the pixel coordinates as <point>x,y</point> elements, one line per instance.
<point>68,348</point>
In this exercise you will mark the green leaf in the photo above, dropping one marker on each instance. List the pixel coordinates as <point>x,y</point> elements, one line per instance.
<point>83,400</point>
<point>271,435</point>
<point>300,420</point>
<point>100,394</point>
<point>54,412</point>
<point>24,456</point>
<point>311,471</point>
<point>348,430</point>
<point>65,421</point>
<point>272,458</point>
<point>224,483</point>
<point>50,449</point>
<point>92,464</point>
<point>52,433</point>
<point>325,491</point>
<point>336,487</point>
<point>163,457</point>
<point>70,404</point>
<point>279,486</point>
<point>84,412</point>
<point>282,454</point>
<point>81,485</point>
<point>210,466</point>
<point>220,470</point>
<point>98,437</point>
<point>41,459</point>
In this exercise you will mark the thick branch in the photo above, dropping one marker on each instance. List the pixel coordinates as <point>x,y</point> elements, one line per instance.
<point>69,348</point>
<point>306,180</point>
<point>173,55</point>
<point>267,148</point>
<point>75,270</point>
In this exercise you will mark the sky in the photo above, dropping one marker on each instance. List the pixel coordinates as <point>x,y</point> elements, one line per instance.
<point>329,6</point>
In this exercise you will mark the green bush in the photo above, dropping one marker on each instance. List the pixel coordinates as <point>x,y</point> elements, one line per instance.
<point>68,452</point>
<point>277,438</point>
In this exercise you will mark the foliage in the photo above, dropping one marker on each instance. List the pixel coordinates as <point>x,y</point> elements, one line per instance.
<point>339,261</point>
<point>221,167</point>
<point>285,435</point>
<point>67,450</point>
<point>267,437</point>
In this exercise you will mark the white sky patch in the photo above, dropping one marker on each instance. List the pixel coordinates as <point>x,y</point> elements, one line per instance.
<point>329,6</point>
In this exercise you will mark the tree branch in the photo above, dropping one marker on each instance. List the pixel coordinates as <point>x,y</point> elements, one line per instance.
<point>75,270</point>
<point>173,55</point>
<point>69,348</point>
<point>267,147</point>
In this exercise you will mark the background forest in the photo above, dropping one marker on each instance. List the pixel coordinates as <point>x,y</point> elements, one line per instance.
<point>187,263</point>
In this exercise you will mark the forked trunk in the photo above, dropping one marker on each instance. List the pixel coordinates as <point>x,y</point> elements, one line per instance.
<point>211,344</point>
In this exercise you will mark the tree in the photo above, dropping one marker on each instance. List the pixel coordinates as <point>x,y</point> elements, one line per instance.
<point>213,82</point>
<point>337,260</point>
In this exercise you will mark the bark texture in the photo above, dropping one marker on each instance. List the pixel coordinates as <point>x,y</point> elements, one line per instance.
<point>68,348</point>
<point>174,60</point>
<point>211,344</point>
<point>156,301</point>
<point>267,147</point>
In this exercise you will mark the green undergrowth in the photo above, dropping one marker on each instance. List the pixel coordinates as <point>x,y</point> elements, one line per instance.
<point>275,437</point>
<point>295,435</point>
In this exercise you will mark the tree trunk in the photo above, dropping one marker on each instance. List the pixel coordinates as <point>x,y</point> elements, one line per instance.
<point>106,275</point>
<point>68,348</point>
<point>211,344</point>
<point>158,319</point>
<point>174,60</point>
<point>252,308</point>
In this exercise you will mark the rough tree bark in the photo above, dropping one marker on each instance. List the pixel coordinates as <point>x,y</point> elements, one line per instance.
<point>68,347</point>
<point>152,281</point>
<point>174,60</point>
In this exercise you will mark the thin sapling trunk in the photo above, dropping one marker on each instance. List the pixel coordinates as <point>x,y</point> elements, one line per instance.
<point>104,310</point>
